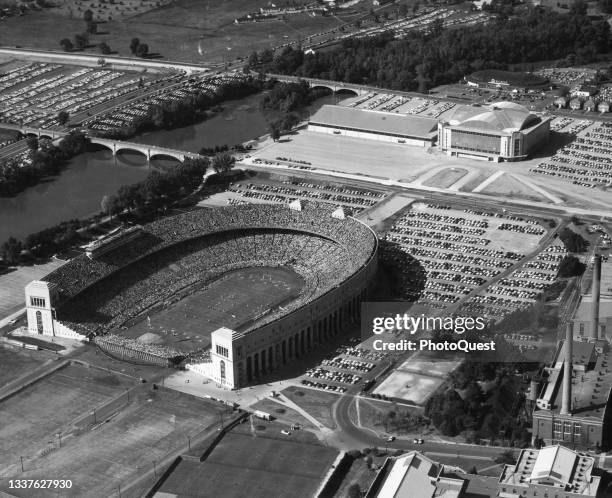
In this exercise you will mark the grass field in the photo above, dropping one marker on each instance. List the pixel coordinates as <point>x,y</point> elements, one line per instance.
<point>66,395</point>
<point>125,440</point>
<point>15,362</point>
<point>200,31</point>
<point>316,403</point>
<point>231,301</point>
<point>260,465</point>
<point>445,178</point>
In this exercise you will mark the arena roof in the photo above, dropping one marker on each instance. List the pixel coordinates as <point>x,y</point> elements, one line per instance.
<point>504,117</point>
<point>386,123</point>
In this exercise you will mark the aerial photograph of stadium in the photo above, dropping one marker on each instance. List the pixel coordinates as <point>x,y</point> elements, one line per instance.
<point>306,249</point>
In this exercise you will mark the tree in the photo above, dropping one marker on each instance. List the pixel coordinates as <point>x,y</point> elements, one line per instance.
<point>275,132</point>
<point>63,117</point>
<point>134,45</point>
<point>11,250</point>
<point>506,457</point>
<point>88,16</point>
<point>110,205</point>
<point>81,41</point>
<point>223,162</point>
<point>66,44</point>
<point>32,143</point>
<point>104,48</point>
<point>91,28</point>
<point>574,242</point>
<point>354,491</point>
<point>473,470</point>
<point>142,50</point>
<point>570,266</point>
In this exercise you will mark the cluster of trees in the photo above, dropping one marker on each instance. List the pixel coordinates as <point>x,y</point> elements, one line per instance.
<point>186,111</point>
<point>80,41</point>
<point>574,242</point>
<point>480,413</point>
<point>46,159</point>
<point>285,104</point>
<point>139,49</point>
<point>535,317</point>
<point>157,191</point>
<point>420,61</point>
<point>570,266</point>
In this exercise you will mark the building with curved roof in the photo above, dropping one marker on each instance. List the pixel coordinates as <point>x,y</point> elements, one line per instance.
<point>501,131</point>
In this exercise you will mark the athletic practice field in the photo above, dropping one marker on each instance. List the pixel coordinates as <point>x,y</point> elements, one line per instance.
<point>260,464</point>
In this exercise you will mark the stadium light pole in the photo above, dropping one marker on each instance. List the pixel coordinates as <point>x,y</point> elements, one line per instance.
<point>21,460</point>
<point>59,435</point>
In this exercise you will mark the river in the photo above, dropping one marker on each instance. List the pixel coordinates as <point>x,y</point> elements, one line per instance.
<point>78,190</point>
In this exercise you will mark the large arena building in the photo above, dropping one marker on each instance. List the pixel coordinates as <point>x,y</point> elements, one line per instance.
<point>503,131</point>
<point>231,292</point>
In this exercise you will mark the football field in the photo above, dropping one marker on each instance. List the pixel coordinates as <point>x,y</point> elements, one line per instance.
<point>231,301</point>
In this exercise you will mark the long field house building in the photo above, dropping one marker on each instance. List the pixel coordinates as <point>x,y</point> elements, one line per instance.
<point>374,125</point>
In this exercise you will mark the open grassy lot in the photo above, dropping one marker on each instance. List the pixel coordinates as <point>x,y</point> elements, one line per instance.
<point>316,403</point>
<point>15,362</point>
<point>445,178</point>
<point>125,439</point>
<point>201,31</point>
<point>259,465</point>
<point>32,417</point>
<point>282,413</point>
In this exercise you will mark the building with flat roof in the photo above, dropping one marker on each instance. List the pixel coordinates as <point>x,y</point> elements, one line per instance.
<point>415,475</point>
<point>503,131</point>
<point>374,125</point>
<point>554,471</point>
<point>582,419</point>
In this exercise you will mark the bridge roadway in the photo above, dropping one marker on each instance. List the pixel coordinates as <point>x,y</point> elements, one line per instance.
<point>115,146</point>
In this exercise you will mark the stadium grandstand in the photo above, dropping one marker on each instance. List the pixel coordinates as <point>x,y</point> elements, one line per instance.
<point>503,131</point>
<point>332,259</point>
<point>374,125</point>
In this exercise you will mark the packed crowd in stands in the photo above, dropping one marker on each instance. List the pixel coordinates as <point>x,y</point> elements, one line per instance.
<point>177,252</point>
<point>586,161</point>
<point>453,248</point>
<point>35,93</point>
<point>354,199</point>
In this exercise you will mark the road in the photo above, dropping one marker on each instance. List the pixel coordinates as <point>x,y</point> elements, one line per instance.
<point>361,438</point>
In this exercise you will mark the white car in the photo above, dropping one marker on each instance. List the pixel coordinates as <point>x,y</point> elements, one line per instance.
<point>13,321</point>
<point>285,432</point>
<point>390,439</point>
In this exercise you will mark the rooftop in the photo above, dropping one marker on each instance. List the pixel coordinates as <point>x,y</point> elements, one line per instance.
<point>376,121</point>
<point>554,466</point>
<point>590,389</point>
<point>505,117</point>
<point>413,475</point>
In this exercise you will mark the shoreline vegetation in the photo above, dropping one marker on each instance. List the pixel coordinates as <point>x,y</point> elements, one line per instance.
<point>283,106</point>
